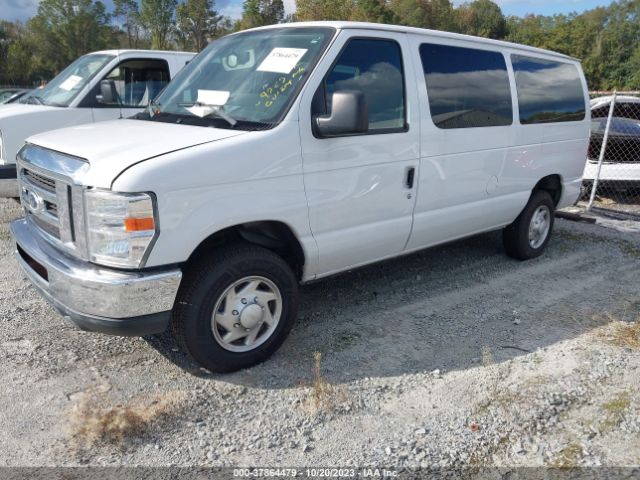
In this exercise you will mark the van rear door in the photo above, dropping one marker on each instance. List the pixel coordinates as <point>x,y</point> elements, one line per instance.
<point>467,105</point>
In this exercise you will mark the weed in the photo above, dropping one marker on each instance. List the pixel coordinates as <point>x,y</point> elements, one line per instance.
<point>569,457</point>
<point>536,381</point>
<point>623,334</point>
<point>346,340</point>
<point>569,236</point>
<point>487,357</point>
<point>324,397</point>
<point>92,420</point>
<point>615,410</point>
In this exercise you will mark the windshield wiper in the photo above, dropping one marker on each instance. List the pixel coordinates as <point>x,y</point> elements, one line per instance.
<point>37,100</point>
<point>217,110</point>
<point>154,108</point>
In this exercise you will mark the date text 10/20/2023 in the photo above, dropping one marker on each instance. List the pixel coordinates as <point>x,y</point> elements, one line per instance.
<point>315,473</point>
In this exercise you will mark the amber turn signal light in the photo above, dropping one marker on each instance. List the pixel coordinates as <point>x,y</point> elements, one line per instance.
<point>139,224</point>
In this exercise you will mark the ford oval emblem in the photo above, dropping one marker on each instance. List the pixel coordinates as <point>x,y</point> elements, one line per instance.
<point>34,201</point>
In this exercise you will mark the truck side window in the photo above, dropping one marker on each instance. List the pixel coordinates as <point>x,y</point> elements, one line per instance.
<point>548,91</point>
<point>136,82</point>
<point>373,67</point>
<point>466,87</point>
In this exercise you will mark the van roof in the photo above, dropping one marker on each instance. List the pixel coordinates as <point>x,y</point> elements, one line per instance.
<point>142,52</point>
<point>421,31</point>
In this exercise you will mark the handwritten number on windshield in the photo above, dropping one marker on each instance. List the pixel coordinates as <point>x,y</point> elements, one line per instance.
<point>270,94</point>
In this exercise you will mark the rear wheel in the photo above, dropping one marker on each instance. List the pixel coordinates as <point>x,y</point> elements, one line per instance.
<point>529,234</point>
<point>235,307</point>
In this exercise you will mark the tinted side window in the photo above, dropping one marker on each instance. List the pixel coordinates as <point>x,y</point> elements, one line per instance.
<point>136,82</point>
<point>548,91</point>
<point>373,67</point>
<point>466,87</point>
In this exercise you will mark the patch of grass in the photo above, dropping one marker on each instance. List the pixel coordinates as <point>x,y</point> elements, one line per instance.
<point>536,381</point>
<point>324,397</point>
<point>623,334</point>
<point>569,457</point>
<point>615,410</point>
<point>486,356</point>
<point>92,420</point>
<point>567,235</point>
<point>345,340</point>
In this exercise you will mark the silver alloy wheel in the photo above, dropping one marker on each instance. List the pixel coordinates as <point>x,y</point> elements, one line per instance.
<point>539,226</point>
<point>246,314</point>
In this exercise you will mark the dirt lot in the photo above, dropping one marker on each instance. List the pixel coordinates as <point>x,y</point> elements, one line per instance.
<point>454,356</point>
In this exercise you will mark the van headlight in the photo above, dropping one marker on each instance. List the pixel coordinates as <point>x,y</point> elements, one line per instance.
<point>121,227</point>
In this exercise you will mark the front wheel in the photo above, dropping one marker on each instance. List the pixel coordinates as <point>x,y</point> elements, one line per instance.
<point>529,234</point>
<point>235,307</point>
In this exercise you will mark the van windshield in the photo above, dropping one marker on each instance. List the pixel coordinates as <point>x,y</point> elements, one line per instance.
<point>246,80</point>
<point>61,91</point>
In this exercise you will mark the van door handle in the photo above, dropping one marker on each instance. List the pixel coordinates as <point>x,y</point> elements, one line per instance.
<point>410,177</point>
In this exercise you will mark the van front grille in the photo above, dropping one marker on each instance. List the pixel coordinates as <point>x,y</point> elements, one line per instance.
<point>40,200</point>
<point>52,197</point>
<point>41,181</point>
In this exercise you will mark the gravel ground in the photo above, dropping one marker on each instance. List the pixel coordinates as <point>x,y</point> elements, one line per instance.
<point>454,356</point>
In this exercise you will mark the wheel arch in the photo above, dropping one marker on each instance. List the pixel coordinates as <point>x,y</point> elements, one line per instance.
<point>552,184</point>
<point>273,235</point>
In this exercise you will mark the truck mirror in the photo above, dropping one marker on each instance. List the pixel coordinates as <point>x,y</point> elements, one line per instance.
<point>108,94</point>
<point>349,115</point>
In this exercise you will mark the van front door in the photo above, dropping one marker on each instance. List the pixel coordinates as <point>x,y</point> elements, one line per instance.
<point>361,188</point>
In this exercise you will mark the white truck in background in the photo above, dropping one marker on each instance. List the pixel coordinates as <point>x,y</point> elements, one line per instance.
<point>99,86</point>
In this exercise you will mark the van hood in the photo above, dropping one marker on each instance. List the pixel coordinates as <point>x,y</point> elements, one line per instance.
<point>113,146</point>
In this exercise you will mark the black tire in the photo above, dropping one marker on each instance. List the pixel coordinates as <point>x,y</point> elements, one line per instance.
<point>515,237</point>
<point>204,284</point>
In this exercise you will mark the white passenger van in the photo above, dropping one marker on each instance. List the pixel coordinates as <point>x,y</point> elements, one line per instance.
<point>286,154</point>
<point>99,86</point>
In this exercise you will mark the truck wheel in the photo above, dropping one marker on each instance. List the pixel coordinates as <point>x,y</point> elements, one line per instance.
<point>529,234</point>
<point>235,307</point>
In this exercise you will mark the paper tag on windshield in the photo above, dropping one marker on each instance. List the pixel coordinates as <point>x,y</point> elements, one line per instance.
<point>216,98</point>
<point>70,82</point>
<point>201,110</point>
<point>282,60</point>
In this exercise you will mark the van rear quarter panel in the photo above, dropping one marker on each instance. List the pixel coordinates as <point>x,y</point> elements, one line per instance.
<point>478,179</point>
<point>201,190</point>
<point>539,150</point>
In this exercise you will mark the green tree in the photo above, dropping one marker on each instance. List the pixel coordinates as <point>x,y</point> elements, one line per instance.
<point>371,11</point>
<point>309,10</point>
<point>272,11</point>
<point>157,16</point>
<point>482,18</point>
<point>434,14</point>
<point>257,13</point>
<point>197,23</point>
<point>63,30</point>
<point>18,63</point>
<point>127,14</point>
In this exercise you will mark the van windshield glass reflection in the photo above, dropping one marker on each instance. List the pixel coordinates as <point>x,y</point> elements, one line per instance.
<point>245,80</point>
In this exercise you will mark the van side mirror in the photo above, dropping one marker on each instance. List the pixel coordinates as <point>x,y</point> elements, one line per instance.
<point>108,94</point>
<point>349,115</point>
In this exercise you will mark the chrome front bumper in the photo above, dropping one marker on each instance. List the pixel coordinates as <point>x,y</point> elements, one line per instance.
<point>99,299</point>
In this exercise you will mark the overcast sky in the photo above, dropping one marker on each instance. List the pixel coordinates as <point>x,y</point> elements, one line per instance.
<point>23,9</point>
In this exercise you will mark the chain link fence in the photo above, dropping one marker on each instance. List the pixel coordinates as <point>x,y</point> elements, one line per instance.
<point>612,173</point>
